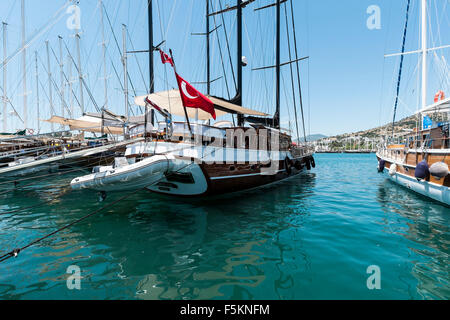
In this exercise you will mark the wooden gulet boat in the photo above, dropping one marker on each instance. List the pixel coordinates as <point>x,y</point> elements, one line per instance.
<point>421,161</point>
<point>187,159</point>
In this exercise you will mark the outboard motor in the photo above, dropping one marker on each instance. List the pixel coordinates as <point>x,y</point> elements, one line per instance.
<point>381,165</point>
<point>439,170</point>
<point>422,172</point>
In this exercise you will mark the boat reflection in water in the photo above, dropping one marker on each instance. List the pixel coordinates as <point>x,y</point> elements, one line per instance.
<point>426,224</point>
<point>241,247</point>
<point>209,257</point>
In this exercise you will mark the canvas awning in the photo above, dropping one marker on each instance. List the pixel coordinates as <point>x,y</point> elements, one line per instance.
<point>440,106</point>
<point>171,101</point>
<point>88,124</point>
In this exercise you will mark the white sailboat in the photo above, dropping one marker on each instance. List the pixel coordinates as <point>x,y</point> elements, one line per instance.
<point>421,161</point>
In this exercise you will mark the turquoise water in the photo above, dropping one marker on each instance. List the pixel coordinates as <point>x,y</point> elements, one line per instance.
<point>311,238</point>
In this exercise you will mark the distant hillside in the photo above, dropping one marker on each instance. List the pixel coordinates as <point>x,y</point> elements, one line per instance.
<point>313,137</point>
<point>405,124</point>
<point>365,140</point>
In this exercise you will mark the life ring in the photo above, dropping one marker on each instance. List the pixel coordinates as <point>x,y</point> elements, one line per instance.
<point>287,166</point>
<point>439,96</point>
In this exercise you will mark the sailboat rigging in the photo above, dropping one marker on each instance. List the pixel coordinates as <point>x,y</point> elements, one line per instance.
<point>193,159</point>
<point>420,161</point>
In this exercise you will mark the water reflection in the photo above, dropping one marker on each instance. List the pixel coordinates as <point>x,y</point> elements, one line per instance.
<point>232,258</point>
<point>426,224</point>
<point>162,247</point>
<point>169,249</point>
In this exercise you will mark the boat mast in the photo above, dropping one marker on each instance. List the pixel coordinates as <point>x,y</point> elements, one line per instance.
<point>150,56</point>
<point>125,69</point>
<point>208,62</point>
<point>276,118</point>
<point>61,66</point>
<point>105,106</point>
<point>24,68</point>
<point>70,84</point>
<point>80,73</point>
<point>5,99</point>
<point>50,93</point>
<point>424,54</point>
<point>239,61</point>
<point>37,90</point>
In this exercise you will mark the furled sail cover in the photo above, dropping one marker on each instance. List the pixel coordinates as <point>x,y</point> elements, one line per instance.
<point>88,124</point>
<point>171,101</point>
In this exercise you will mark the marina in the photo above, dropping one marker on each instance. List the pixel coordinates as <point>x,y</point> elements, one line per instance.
<point>171,151</point>
<point>292,242</point>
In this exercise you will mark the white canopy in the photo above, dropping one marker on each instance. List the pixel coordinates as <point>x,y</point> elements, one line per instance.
<point>440,106</point>
<point>171,101</point>
<point>85,123</point>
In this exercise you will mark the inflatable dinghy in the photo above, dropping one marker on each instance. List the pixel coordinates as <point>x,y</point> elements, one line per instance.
<point>126,177</point>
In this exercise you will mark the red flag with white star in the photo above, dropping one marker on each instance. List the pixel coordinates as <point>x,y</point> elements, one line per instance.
<point>192,98</point>
<point>165,58</point>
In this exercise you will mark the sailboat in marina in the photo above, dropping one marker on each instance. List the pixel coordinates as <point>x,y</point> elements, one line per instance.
<point>420,162</point>
<point>196,157</point>
<point>29,151</point>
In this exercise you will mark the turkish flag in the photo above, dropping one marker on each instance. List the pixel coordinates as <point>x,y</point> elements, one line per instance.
<point>165,58</point>
<point>192,98</point>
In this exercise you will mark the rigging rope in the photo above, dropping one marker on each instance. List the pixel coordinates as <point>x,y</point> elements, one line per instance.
<point>16,252</point>
<point>228,46</point>
<point>298,73</point>
<point>221,56</point>
<point>58,173</point>
<point>401,67</point>
<point>292,72</point>
<point>82,80</point>
<point>60,13</point>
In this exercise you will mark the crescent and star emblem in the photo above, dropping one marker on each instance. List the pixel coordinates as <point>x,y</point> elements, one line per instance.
<point>184,89</point>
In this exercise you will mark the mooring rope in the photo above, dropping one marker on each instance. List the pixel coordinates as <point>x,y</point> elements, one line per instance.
<point>32,183</point>
<point>69,164</point>
<point>16,252</point>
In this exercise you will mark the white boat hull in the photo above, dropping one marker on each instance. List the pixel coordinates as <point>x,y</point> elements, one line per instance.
<point>51,163</point>
<point>428,189</point>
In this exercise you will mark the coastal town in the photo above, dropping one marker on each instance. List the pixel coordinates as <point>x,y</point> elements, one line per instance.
<point>366,141</point>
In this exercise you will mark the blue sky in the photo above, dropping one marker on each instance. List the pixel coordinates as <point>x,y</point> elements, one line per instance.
<point>348,85</point>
